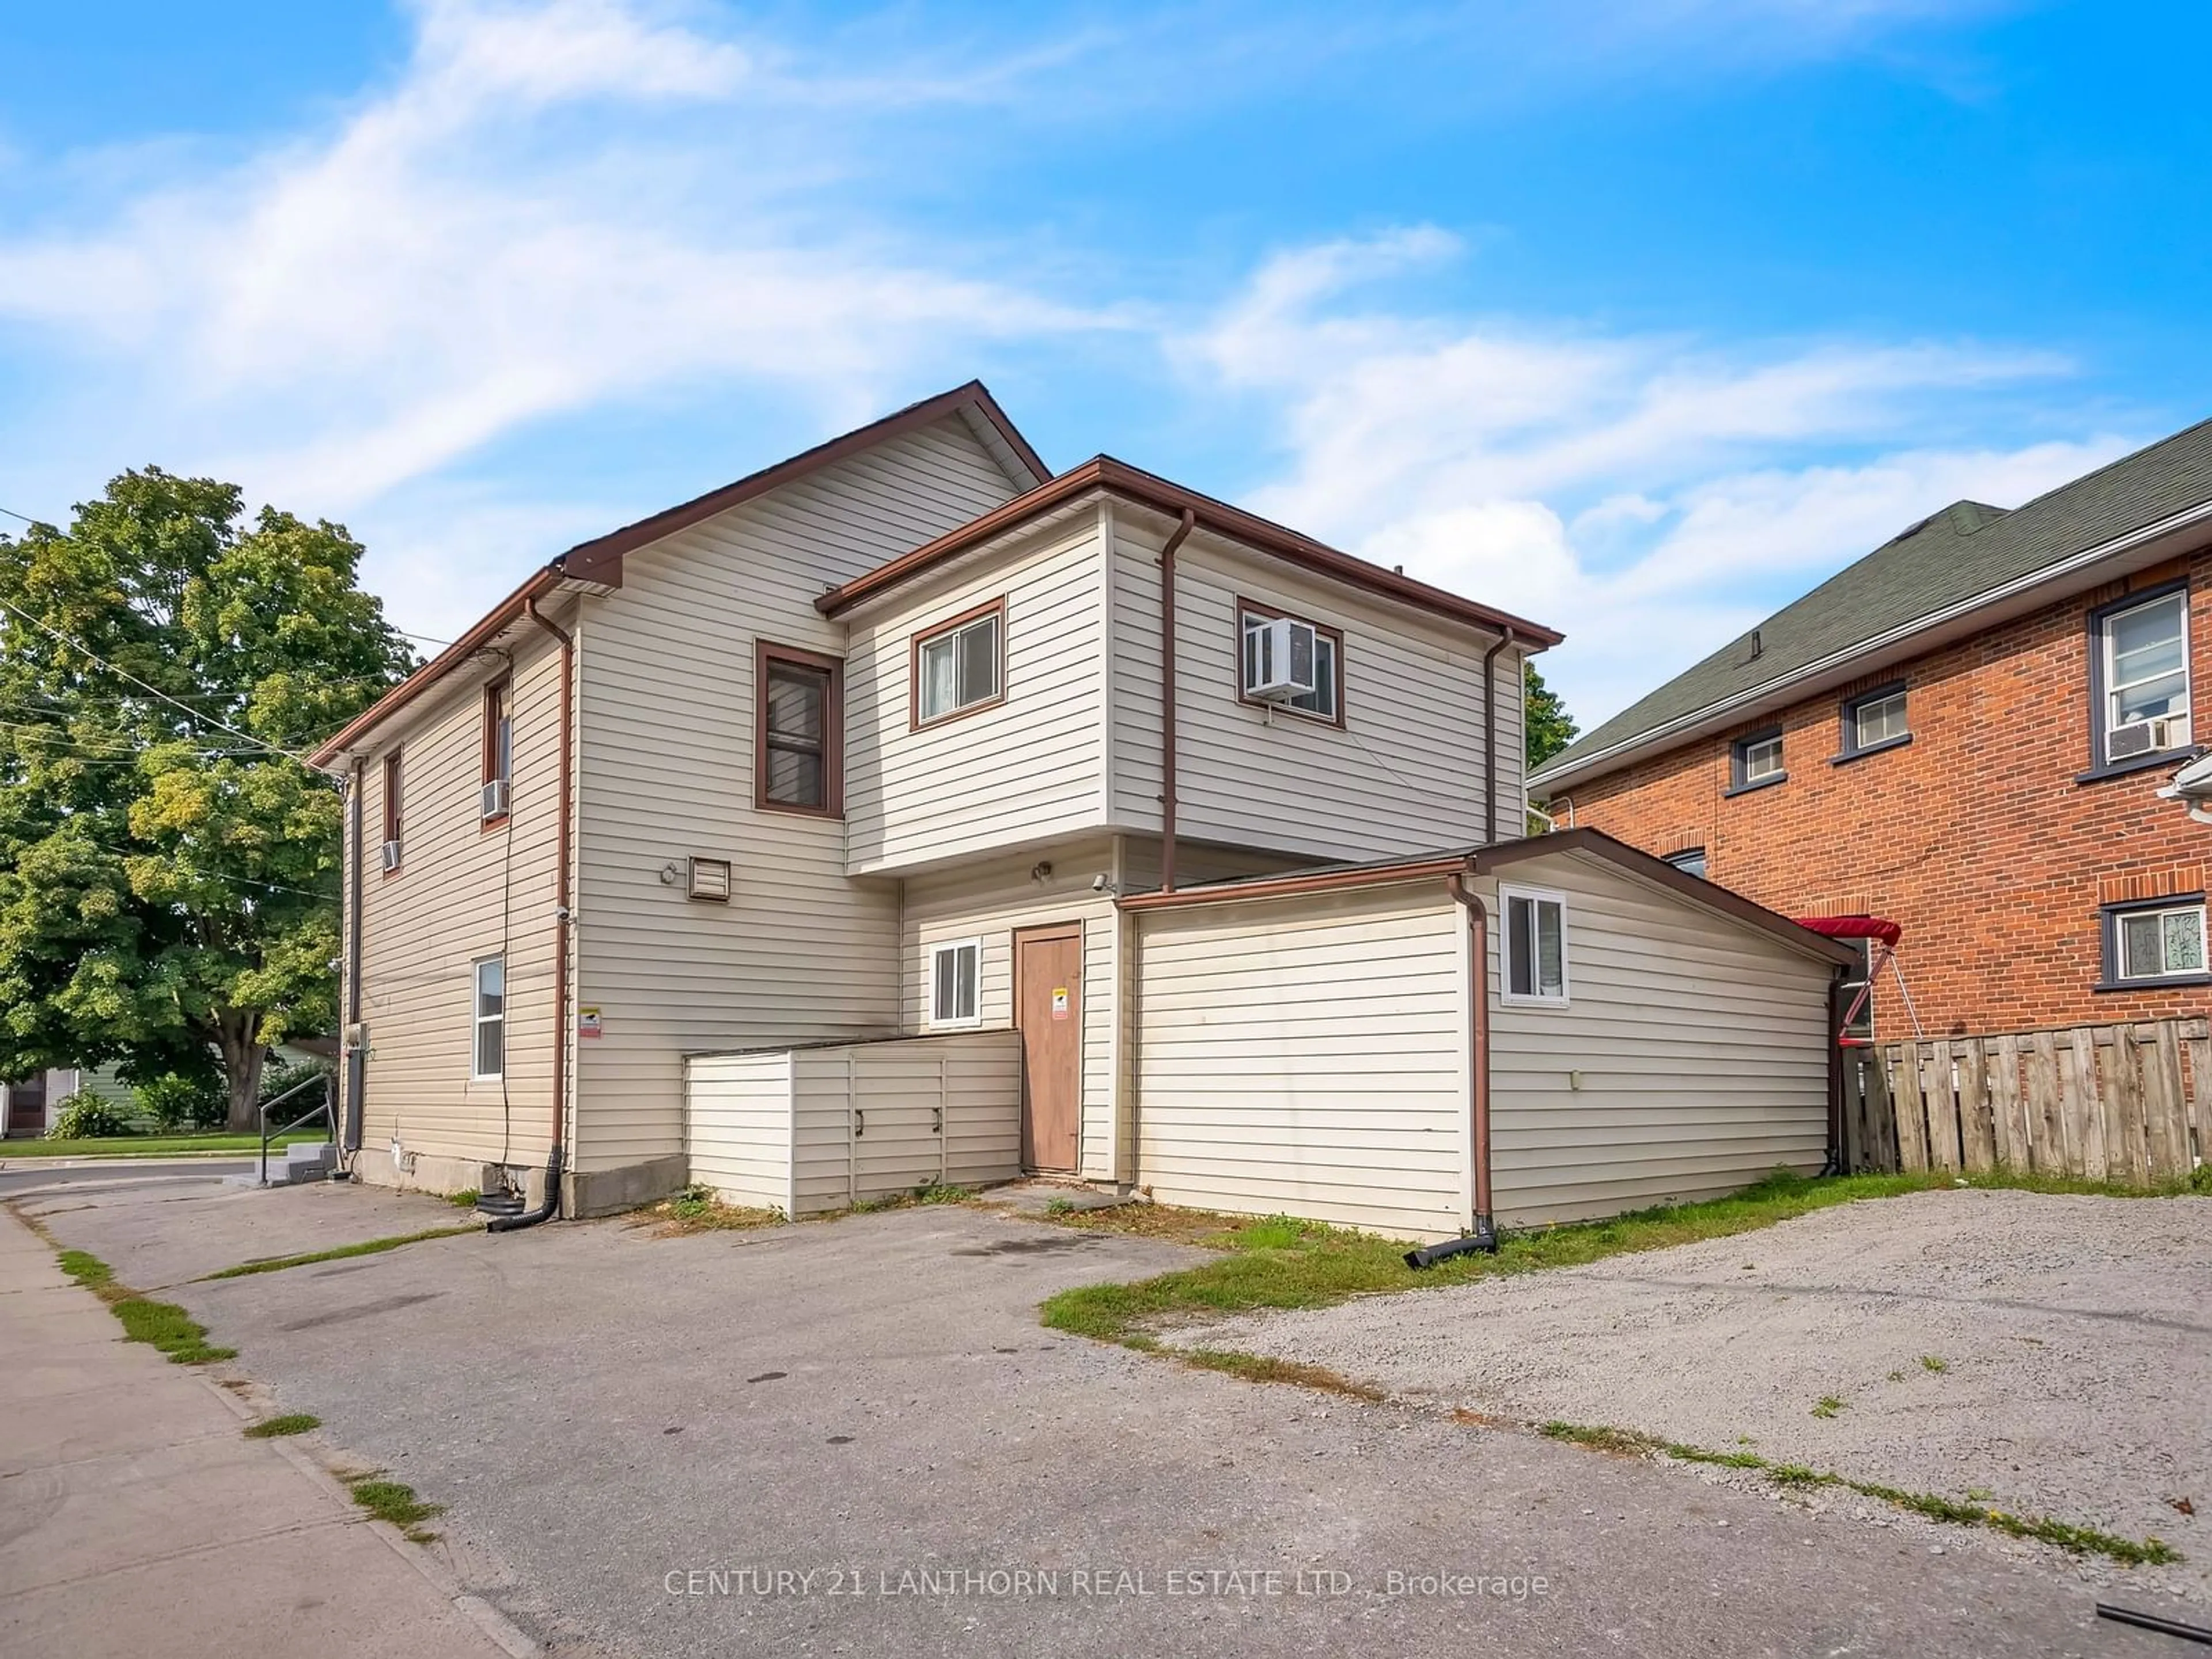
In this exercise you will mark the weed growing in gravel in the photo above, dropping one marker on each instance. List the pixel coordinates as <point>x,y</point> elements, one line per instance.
<point>277,1264</point>
<point>2078,1540</point>
<point>1828,1405</point>
<point>464,1200</point>
<point>290,1423</point>
<point>697,1210</point>
<point>162,1326</point>
<point>1935,1362</point>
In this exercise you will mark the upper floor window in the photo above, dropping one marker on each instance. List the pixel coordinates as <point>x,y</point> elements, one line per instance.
<point>489,1054</point>
<point>1535,947</point>
<point>1874,721</point>
<point>2154,941</point>
<point>1757,760</point>
<point>498,749</point>
<point>394,838</point>
<point>1691,862</point>
<point>798,726</point>
<point>960,665</point>
<point>2141,673</point>
<point>1288,662</point>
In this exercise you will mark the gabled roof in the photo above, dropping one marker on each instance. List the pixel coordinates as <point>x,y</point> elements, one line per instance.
<point>597,564</point>
<point>1964,557</point>
<point>1134,483</point>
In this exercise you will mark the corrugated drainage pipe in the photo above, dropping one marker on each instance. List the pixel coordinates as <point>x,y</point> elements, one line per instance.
<point>544,1211</point>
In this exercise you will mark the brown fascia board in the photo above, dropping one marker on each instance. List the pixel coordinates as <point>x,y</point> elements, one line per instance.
<point>599,561</point>
<point>1147,488</point>
<point>500,617</point>
<point>1488,861</point>
<point>591,561</point>
<point>1594,843</point>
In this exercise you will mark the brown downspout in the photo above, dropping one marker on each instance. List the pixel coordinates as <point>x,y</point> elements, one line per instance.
<point>564,923</point>
<point>1837,1152</point>
<point>1490,739</point>
<point>1167,701</point>
<point>1484,1234</point>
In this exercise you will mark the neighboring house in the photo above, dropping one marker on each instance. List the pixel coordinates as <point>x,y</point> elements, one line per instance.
<point>880,744</point>
<point>28,1104</point>
<point>1973,730</point>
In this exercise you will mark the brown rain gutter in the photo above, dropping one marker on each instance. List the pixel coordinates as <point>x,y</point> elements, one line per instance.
<point>1168,699</point>
<point>1490,739</point>
<point>564,923</point>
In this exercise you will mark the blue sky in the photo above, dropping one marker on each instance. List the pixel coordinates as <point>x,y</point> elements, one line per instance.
<point>1636,316</point>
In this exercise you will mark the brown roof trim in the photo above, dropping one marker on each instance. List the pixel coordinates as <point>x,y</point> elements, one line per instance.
<point>1486,860</point>
<point>496,621</point>
<point>1293,886</point>
<point>589,561</point>
<point>1106,473</point>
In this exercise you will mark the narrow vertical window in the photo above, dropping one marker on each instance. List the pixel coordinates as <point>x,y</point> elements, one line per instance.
<point>498,750</point>
<point>394,838</point>
<point>798,731</point>
<point>2142,671</point>
<point>954,972</point>
<point>1535,947</point>
<point>490,1059</point>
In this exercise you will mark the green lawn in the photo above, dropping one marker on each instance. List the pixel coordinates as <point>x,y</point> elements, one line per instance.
<point>150,1145</point>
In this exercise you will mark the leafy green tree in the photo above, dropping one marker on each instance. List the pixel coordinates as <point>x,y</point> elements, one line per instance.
<point>168,871</point>
<point>1549,728</point>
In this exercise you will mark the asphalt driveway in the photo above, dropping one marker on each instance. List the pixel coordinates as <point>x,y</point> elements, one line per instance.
<point>854,1437</point>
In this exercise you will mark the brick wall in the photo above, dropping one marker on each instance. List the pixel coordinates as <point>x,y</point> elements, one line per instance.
<point>1975,835</point>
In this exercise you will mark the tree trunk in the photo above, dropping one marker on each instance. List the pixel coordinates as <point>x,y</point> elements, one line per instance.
<point>242,1072</point>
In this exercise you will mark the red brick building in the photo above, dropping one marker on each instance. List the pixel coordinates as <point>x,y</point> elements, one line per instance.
<point>1968,731</point>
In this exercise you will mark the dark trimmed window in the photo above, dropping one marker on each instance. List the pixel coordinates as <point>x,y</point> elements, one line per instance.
<point>798,738</point>
<point>960,666</point>
<point>394,820</point>
<point>1691,862</point>
<point>2154,942</point>
<point>1755,760</point>
<point>1256,666</point>
<point>1874,720</point>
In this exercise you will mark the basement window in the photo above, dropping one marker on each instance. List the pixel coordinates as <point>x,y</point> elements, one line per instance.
<point>1536,945</point>
<point>489,1058</point>
<point>2154,942</point>
<point>1691,862</point>
<point>954,970</point>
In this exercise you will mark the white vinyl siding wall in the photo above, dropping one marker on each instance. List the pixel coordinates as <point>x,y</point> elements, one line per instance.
<point>812,1130</point>
<point>1690,1060</point>
<point>666,772</point>
<point>1406,773</point>
<point>463,893</point>
<point>1308,1055</point>
<point>1000,776</point>
<point>989,902</point>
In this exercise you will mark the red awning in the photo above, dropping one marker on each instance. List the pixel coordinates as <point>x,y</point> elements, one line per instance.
<point>1855,927</point>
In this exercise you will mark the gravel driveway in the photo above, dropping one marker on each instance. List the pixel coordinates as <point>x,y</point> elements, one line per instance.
<point>2052,1355</point>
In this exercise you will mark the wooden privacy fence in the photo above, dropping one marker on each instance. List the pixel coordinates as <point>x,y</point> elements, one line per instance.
<point>2130,1103</point>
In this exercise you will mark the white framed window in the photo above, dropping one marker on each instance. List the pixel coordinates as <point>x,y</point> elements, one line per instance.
<point>960,664</point>
<point>1534,944</point>
<point>1758,760</point>
<point>2145,944</point>
<point>2142,673</point>
<point>1875,720</point>
<point>1326,700</point>
<point>488,1051</point>
<point>956,970</point>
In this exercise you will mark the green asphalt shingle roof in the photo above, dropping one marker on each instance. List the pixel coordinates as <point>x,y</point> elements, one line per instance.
<point>1947,560</point>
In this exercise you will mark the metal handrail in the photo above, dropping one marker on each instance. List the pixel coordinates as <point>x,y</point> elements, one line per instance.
<point>321,1110</point>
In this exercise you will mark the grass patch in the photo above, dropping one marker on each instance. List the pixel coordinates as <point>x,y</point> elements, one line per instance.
<point>367,1247</point>
<point>161,1325</point>
<point>464,1200</point>
<point>697,1210</point>
<point>1829,1405</point>
<point>396,1501</point>
<point>1935,1362</point>
<point>275,1428</point>
<point>150,1145</point>
<point>2076,1540</point>
<point>1258,1368</point>
<point>1279,1262</point>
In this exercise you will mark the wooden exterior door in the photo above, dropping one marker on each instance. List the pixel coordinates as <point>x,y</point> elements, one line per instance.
<point>26,1106</point>
<point>1048,1012</point>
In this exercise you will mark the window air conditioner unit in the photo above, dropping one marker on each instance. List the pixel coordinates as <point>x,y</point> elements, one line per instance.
<point>1279,660</point>
<point>2151,737</point>
<point>494,802</point>
<point>391,856</point>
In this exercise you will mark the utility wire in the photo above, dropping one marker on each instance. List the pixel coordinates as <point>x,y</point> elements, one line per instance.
<point>78,645</point>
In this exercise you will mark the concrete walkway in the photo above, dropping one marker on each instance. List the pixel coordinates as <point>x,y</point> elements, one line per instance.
<point>135,1519</point>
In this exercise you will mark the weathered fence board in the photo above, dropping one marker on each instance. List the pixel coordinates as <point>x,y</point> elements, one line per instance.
<point>2129,1103</point>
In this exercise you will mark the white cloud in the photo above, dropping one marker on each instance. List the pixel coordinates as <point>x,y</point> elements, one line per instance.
<point>1651,496</point>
